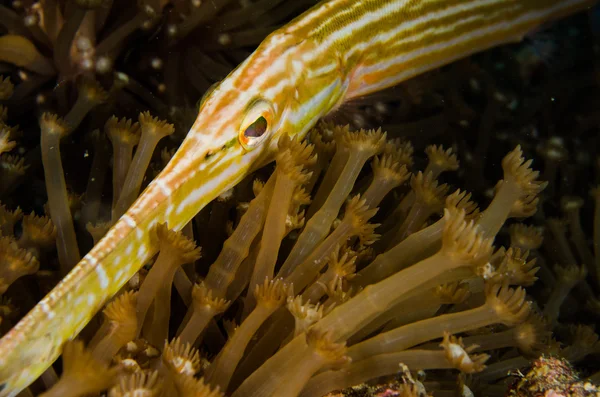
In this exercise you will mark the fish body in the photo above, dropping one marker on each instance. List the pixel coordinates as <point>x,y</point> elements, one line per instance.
<point>336,51</point>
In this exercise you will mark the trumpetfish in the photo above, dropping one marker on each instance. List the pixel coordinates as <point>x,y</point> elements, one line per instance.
<point>335,51</point>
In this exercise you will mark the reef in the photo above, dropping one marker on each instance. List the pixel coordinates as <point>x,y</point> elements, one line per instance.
<point>438,238</point>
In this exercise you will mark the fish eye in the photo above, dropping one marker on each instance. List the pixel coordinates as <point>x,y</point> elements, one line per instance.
<point>257,124</point>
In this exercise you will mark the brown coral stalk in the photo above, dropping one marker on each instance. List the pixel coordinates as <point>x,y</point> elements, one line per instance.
<point>372,368</point>
<point>324,148</point>
<point>242,276</point>
<point>237,246</point>
<point>53,19</point>
<point>322,350</point>
<point>503,305</point>
<point>124,136</point>
<point>520,182</point>
<point>95,185</point>
<point>174,251</point>
<point>184,286</point>
<point>529,337</point>
<point>107,46</point>
<point>454,355</point>
<point>205,12</point>
<point>290,172</point>
<point>13,22</point>
<point>53,129</point>
<point>572,206</point>
<point>153,130</point>
<point>282,325</point>
<point>335,166</point>
<point>566,278</point>
<point>91,94</point>
<point>270,296</point>
<point>421,306</point>
<point>212,233</point>
<point>62,51</point>
<point>19,51</point>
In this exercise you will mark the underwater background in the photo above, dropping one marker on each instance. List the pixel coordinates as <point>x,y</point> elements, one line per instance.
<point>96,97</point>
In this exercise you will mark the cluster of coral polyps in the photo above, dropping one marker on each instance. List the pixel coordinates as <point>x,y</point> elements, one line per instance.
<point>312,287</point>
<point>343,264</point>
